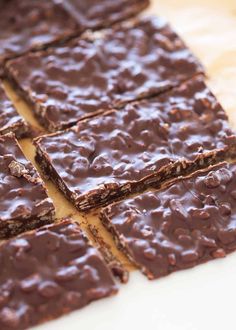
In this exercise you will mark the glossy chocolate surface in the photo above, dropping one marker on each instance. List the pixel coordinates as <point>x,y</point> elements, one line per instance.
<point>47,273</point>
<point>31,24</point>
<point>93,14</point>
<point>103,71</point>
<point>23,197</point>
<point>135,143</point>
<point>10,120</point>
<point>190,222</point>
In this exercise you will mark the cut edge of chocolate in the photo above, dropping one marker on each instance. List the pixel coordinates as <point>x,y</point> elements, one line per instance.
<point>116,267</point>
<point>12,227</point>
<point>112,290</point>
<point>111,192</point>
<point>51,128</point>
<point>21,129</point>
<point>91,35</point>
<point>118,238</point>
<point>132,12</point>
<point>121,244</point>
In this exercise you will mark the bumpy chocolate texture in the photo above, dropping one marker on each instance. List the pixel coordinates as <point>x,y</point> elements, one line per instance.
<point>24,203</point>
<point>141,145</point>
<point>105,70</point>
<point>47,273</point>
<point>10,120</point>
<point>93,14</point>
<point>32,24</point>
<point>188,223</point>
<point>39,23</point>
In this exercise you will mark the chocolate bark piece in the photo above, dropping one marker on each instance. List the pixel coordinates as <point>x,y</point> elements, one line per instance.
<point>189,222</point>
<point>24,203</point>
<point>50,272</point>
<point>141,145</point>
<point>32,24</point>
<point>10,120</point>
<point>95,14</point>
<point>91,75</point>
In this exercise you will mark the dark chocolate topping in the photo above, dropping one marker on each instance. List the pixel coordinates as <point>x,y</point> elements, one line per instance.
<point>91,75</point>
<point>135,142</point>
<point>10,120</point>
<point>190,222</point>
<point>39,23</point>
<point>93,14</point>
<point>22,193</point>
<point>47,273</point>
<point>31,24</point>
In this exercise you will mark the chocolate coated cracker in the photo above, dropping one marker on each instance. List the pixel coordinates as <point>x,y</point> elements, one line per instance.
<point>24,203</point>
<point>32,24</point>
<point>94,14</point>
<point>47,273</point>
<point>141,145</point>
<point>189,222</point>
<point>10,120</point>
<point>101,71</point>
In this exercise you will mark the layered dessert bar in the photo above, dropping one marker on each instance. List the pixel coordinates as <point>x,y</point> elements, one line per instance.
<point>188,222</point>
<point>10,120</point>
<point>141,145</point>
<point>32,24</point>
<point>24,202</point>
<point>50,272</point>
<point>102,71</point>
<point>93,14</point>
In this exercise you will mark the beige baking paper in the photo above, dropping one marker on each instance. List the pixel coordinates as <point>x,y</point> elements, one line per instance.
<point>209,28</point>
